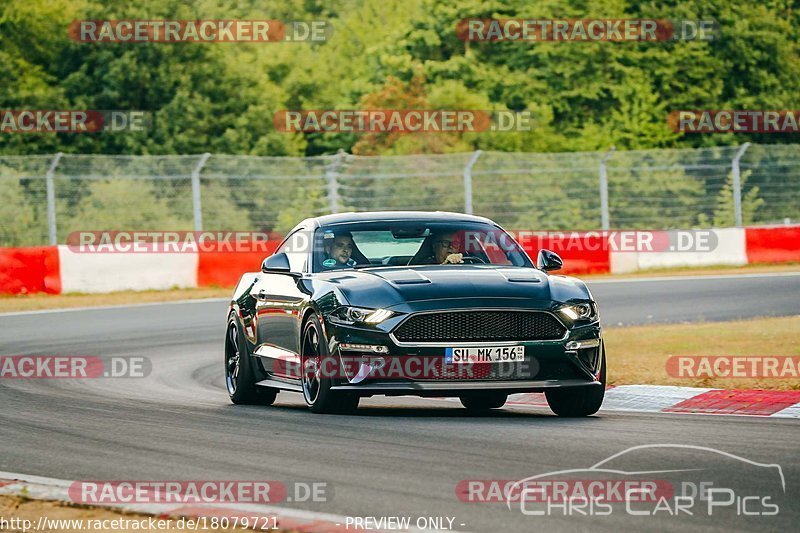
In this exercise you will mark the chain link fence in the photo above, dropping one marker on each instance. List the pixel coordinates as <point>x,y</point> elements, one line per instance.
<point>46,197</point>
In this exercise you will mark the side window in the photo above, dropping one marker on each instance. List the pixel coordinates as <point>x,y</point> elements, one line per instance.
<point>296,247</point>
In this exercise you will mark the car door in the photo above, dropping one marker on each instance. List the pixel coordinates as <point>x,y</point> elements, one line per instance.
<point>280,299</point>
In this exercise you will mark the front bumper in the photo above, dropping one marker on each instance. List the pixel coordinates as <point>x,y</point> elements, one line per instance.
<point>406,368</point>
<point>432,388</point>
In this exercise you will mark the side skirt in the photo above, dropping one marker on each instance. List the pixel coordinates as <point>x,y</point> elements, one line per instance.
<point>293,386</point>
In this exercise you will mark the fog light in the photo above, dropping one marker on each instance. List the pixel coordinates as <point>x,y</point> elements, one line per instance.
<point>581,345</point>
<point>374,348</point>
<point>366,368</point>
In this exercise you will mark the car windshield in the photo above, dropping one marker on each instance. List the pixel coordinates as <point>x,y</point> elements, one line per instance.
<point>401,243</point>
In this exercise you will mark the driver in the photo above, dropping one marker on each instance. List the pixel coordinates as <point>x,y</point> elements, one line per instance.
<point>445,250</point>
<point>338,249</point>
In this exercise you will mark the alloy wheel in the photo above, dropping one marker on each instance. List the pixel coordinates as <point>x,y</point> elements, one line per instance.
<point>311,364</point>
<point>232,360</point>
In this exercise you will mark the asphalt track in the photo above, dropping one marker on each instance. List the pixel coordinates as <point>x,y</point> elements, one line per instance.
<point>395,457</point>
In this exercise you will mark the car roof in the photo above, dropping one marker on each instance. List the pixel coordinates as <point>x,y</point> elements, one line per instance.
<point>375,216</point>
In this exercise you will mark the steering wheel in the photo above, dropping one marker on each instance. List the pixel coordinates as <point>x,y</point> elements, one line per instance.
<point>472,259</point>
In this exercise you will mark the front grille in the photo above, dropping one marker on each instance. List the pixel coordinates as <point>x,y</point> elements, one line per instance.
<point>480,326</point>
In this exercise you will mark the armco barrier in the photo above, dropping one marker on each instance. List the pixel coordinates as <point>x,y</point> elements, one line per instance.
<point>51,269</point>
<point>224,269</point>
<point>27,270</point>
<point>109,272</point>
<point>593,257</point>
<point>730,250</point>
<point>780,244</point>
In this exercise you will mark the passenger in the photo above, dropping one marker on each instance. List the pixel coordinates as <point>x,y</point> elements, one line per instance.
<point>338,251</point>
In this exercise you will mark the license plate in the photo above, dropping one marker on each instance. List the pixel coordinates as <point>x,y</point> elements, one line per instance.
<point>485,354</point>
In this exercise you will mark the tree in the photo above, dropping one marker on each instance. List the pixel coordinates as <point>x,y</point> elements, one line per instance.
<point>724,214</point>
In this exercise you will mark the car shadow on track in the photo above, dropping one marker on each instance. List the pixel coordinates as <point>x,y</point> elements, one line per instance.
<point>425,411</point>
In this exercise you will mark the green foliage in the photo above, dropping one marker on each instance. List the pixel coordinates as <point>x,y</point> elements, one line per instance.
<point>302,204</point>
<point>724,215</point>
<point>219,209</point>
<point>221,98</point>
<point>18,221</point>
<point>116,205</point>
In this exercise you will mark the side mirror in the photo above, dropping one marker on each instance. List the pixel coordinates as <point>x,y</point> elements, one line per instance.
<point>548,261</point>
<point>277,263</point>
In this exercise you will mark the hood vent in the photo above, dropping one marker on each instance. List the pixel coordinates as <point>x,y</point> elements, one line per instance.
<point>521,276</point>
<point>403,277</point>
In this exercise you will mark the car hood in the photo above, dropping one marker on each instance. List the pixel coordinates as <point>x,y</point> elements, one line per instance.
<point>386,287</point>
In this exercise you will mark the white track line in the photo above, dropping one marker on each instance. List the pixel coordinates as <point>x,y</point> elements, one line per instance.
<point>588,281</point>
<point>693,278</point>
<point>111,307</point>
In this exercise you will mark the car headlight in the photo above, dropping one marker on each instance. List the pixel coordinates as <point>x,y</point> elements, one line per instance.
<point>360,315</point>
<point>584,311</point>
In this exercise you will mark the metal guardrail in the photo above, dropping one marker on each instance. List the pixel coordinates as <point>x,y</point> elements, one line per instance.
<point>48,196</point>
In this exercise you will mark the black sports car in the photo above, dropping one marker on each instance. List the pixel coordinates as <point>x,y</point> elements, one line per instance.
<point>410,303</point>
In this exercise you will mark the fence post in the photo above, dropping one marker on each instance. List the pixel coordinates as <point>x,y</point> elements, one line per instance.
<point>468,181</point>
<point>605,219</point>
<point>197,206</point>
<point>51,199</point>
<point>331,177</point>
<point>737,184</point>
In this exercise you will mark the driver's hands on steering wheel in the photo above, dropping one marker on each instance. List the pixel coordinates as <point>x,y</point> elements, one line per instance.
<point>453,259</point>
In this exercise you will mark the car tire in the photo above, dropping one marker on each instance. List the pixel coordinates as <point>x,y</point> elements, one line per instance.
<point>239,375</point>
<point>576,402</point>
<point>317,387</point>
<point>483,401</point>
